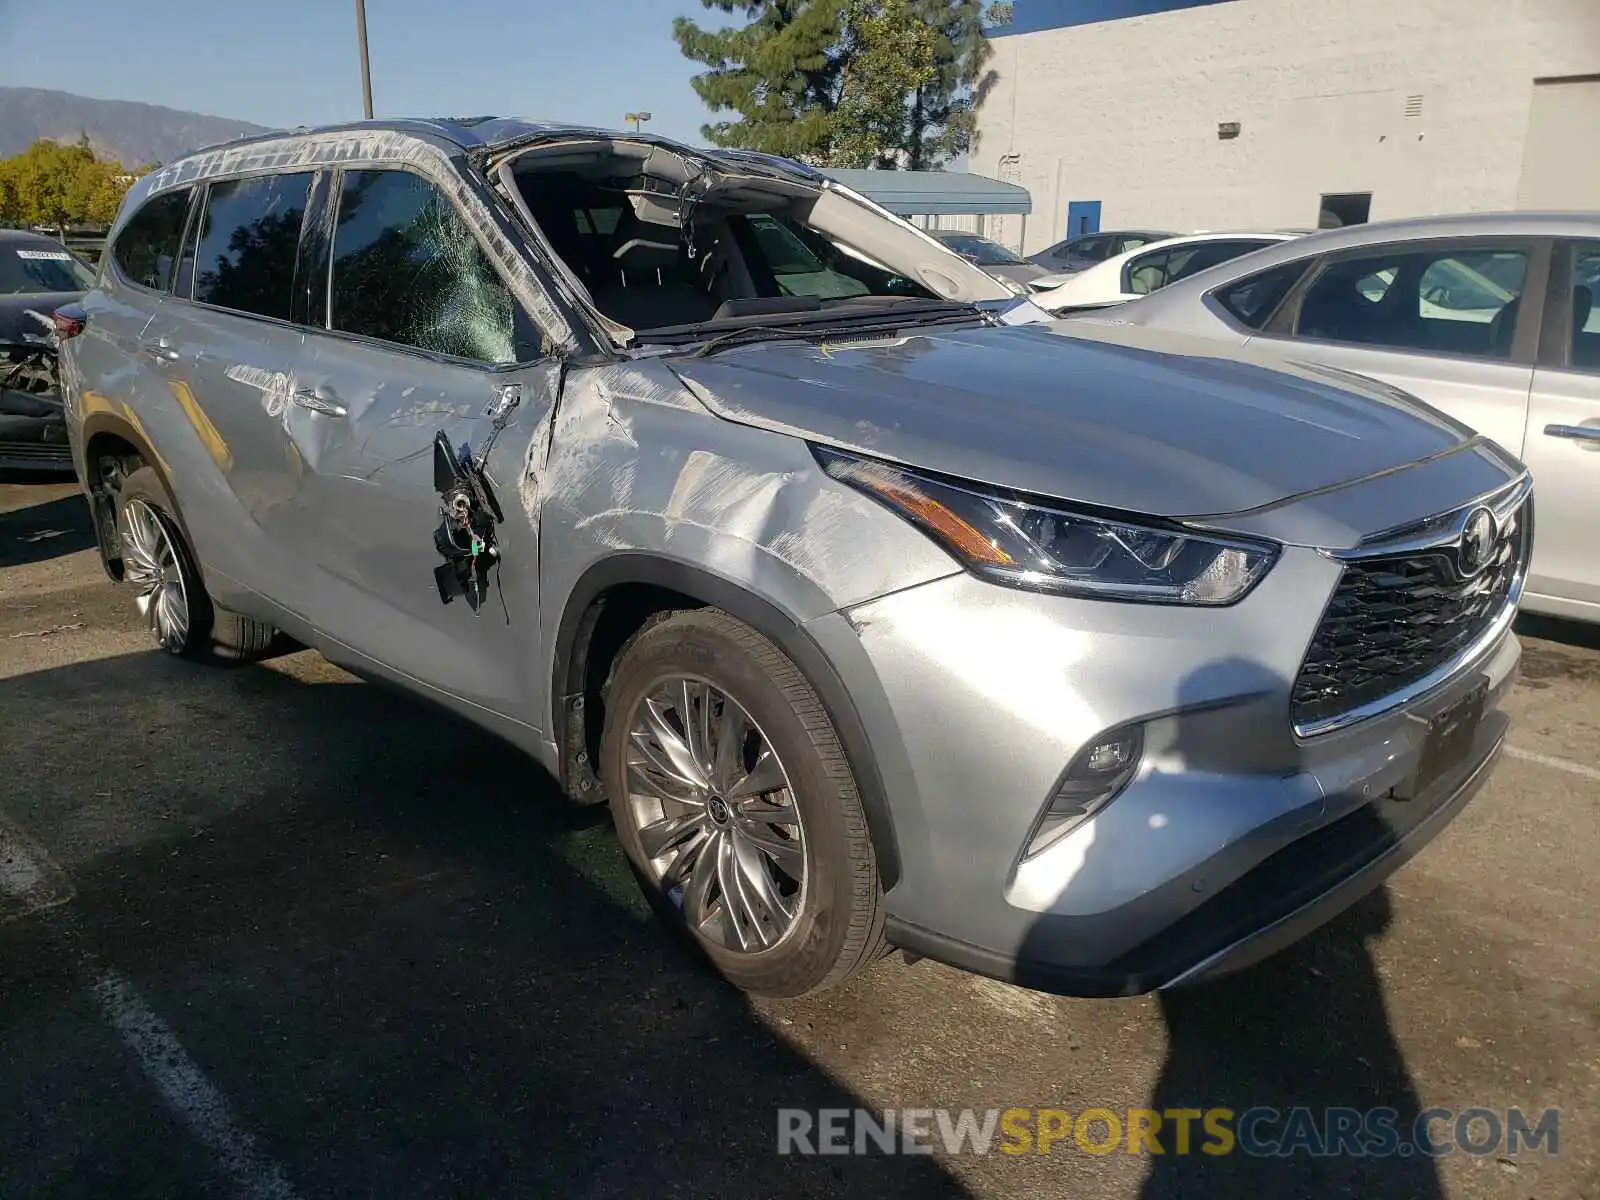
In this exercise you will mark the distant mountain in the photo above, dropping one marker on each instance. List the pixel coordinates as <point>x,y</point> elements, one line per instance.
<point>132,134</point>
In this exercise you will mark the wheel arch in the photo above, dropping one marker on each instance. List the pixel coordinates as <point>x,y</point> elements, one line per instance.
<point>619,595</point>
<point>109,435</point>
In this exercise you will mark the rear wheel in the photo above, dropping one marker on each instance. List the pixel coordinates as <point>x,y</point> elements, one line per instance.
<point>737,807</point>
<point>168,590</point>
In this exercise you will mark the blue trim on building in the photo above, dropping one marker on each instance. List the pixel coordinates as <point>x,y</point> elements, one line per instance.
<point>1031,16</point>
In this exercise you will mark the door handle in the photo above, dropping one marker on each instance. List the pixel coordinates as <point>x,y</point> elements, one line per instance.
<point>1587,436</point>
<point>160,349</point>
<point>319,400</point>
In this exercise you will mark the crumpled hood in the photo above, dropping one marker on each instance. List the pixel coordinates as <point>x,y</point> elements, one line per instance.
<point>1146,429</point>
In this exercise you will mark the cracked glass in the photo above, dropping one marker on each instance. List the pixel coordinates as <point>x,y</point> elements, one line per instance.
<point>407,270</point>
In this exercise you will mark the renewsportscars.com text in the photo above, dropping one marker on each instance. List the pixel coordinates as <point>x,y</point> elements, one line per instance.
<point>1259,1132</point>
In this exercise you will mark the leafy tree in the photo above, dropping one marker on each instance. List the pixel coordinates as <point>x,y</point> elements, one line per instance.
<point>779,73</point>
<point>942,122</point>
<point>51,184</point>
<point>888,54</point>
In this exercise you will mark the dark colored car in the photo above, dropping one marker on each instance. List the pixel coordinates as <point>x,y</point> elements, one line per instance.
<point>37,276</point>
<point>1084,251</point>
<point>991,256</point>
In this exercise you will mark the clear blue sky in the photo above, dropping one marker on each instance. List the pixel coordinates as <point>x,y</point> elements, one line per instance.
<point>293,62</point>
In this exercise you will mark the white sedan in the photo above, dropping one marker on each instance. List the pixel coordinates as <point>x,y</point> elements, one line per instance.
<point>1146,269</point>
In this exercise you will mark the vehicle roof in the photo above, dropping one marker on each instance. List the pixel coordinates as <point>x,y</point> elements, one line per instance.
<point>1374,233</point>
<point>487,133</point>
<point>1189,239</point>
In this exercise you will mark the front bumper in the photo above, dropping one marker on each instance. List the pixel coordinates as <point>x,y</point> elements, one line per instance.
<point>1234,839</point>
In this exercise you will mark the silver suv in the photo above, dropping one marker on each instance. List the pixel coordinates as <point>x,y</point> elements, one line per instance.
<point>877,615</point>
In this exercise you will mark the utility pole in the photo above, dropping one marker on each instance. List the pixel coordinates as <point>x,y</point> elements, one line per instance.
<point>366,72</point>
<point>638,119</point>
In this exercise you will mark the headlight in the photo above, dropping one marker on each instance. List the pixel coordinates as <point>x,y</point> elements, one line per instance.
<point>1034,545</point>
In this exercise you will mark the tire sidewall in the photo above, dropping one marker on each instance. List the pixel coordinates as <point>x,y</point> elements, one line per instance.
<point>144,484</point>
<point>805,957</point>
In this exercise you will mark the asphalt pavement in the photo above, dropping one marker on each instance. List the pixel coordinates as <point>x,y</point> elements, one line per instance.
<point>270,931</point>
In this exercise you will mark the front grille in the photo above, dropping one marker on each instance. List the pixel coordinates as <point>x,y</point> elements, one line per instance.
<point>1395,619</point>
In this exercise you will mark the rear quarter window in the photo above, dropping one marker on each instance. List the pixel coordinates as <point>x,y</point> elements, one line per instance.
<point>146,250</point>
<point>1253,300</point>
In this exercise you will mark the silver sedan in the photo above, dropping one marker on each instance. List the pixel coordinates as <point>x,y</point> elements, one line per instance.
<point>1488,317</point>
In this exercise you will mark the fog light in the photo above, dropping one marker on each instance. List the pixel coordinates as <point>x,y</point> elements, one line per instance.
<point>1095,778</point>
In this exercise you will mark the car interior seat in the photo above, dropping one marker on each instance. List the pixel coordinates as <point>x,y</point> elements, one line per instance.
<point>645,280</point>
<point>1503,328</point>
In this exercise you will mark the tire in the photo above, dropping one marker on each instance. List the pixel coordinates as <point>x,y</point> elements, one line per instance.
<point>827,921</point>
<point>158,563</point>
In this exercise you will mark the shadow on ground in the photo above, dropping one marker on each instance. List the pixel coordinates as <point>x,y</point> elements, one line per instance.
<point>412,969</point>
<point>1558,629</point>
<point>45,530</point>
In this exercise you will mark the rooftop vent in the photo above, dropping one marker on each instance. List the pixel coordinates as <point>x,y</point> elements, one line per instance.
<point>1413,106</point>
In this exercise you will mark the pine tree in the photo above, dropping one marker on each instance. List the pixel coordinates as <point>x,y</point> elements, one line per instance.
<point>779,73</point>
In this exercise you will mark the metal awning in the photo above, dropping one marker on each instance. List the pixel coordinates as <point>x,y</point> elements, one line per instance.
<point>936,193</point>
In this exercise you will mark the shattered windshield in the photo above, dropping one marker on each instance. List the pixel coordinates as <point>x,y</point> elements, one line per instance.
<point>662,245</point>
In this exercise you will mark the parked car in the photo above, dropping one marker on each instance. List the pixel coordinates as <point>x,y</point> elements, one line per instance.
<point>1488,317</point>
<point>1147,269</point>
<point>1086,249</point>
<point>991,256</point>
<point>876,619</point>
<point>37,276</point>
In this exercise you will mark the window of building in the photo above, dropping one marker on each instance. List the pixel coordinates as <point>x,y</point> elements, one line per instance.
<point>147,247</point>
<point>1339,209</point>
<point>249,233</point>
<point>408,270</point>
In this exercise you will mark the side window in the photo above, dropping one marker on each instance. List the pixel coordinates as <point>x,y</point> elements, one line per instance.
<point>1585,313</point>
<point>1253,300</point>
<point>408,270</point>
<point>1448,302</point>
<point>1095,249</point>
<point>249,234</point>
<point>1148,272</point>
<point>1209,254</point>
<point>147,248</point>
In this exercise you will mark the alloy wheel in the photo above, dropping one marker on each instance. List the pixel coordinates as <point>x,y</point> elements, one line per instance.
<point>150,563</point>
<point>715,815</point>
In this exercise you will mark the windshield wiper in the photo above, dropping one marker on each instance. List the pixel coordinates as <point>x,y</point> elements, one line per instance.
<point>753,333</point>
<point>841,329</point>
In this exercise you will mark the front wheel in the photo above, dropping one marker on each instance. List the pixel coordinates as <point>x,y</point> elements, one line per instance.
<point>735,803</point>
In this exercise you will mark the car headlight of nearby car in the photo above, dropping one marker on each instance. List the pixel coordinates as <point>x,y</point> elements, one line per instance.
<point>1043,546</point>
<point>1015,288</point>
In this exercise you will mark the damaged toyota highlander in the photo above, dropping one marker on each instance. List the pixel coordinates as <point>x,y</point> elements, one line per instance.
<point>879,615</point>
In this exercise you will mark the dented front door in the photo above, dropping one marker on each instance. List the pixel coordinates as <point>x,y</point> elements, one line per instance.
<point>363,426</point>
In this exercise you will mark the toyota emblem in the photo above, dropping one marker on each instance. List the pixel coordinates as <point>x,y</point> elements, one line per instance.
<point>1478,538</point>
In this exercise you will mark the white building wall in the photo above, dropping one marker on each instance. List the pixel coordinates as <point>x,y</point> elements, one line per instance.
<point>1126,111</point>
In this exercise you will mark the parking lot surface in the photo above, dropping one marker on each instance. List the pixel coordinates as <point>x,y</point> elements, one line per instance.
<point>270,931</point>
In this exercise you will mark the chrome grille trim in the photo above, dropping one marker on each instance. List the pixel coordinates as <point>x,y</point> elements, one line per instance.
<point>1361,610</point>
